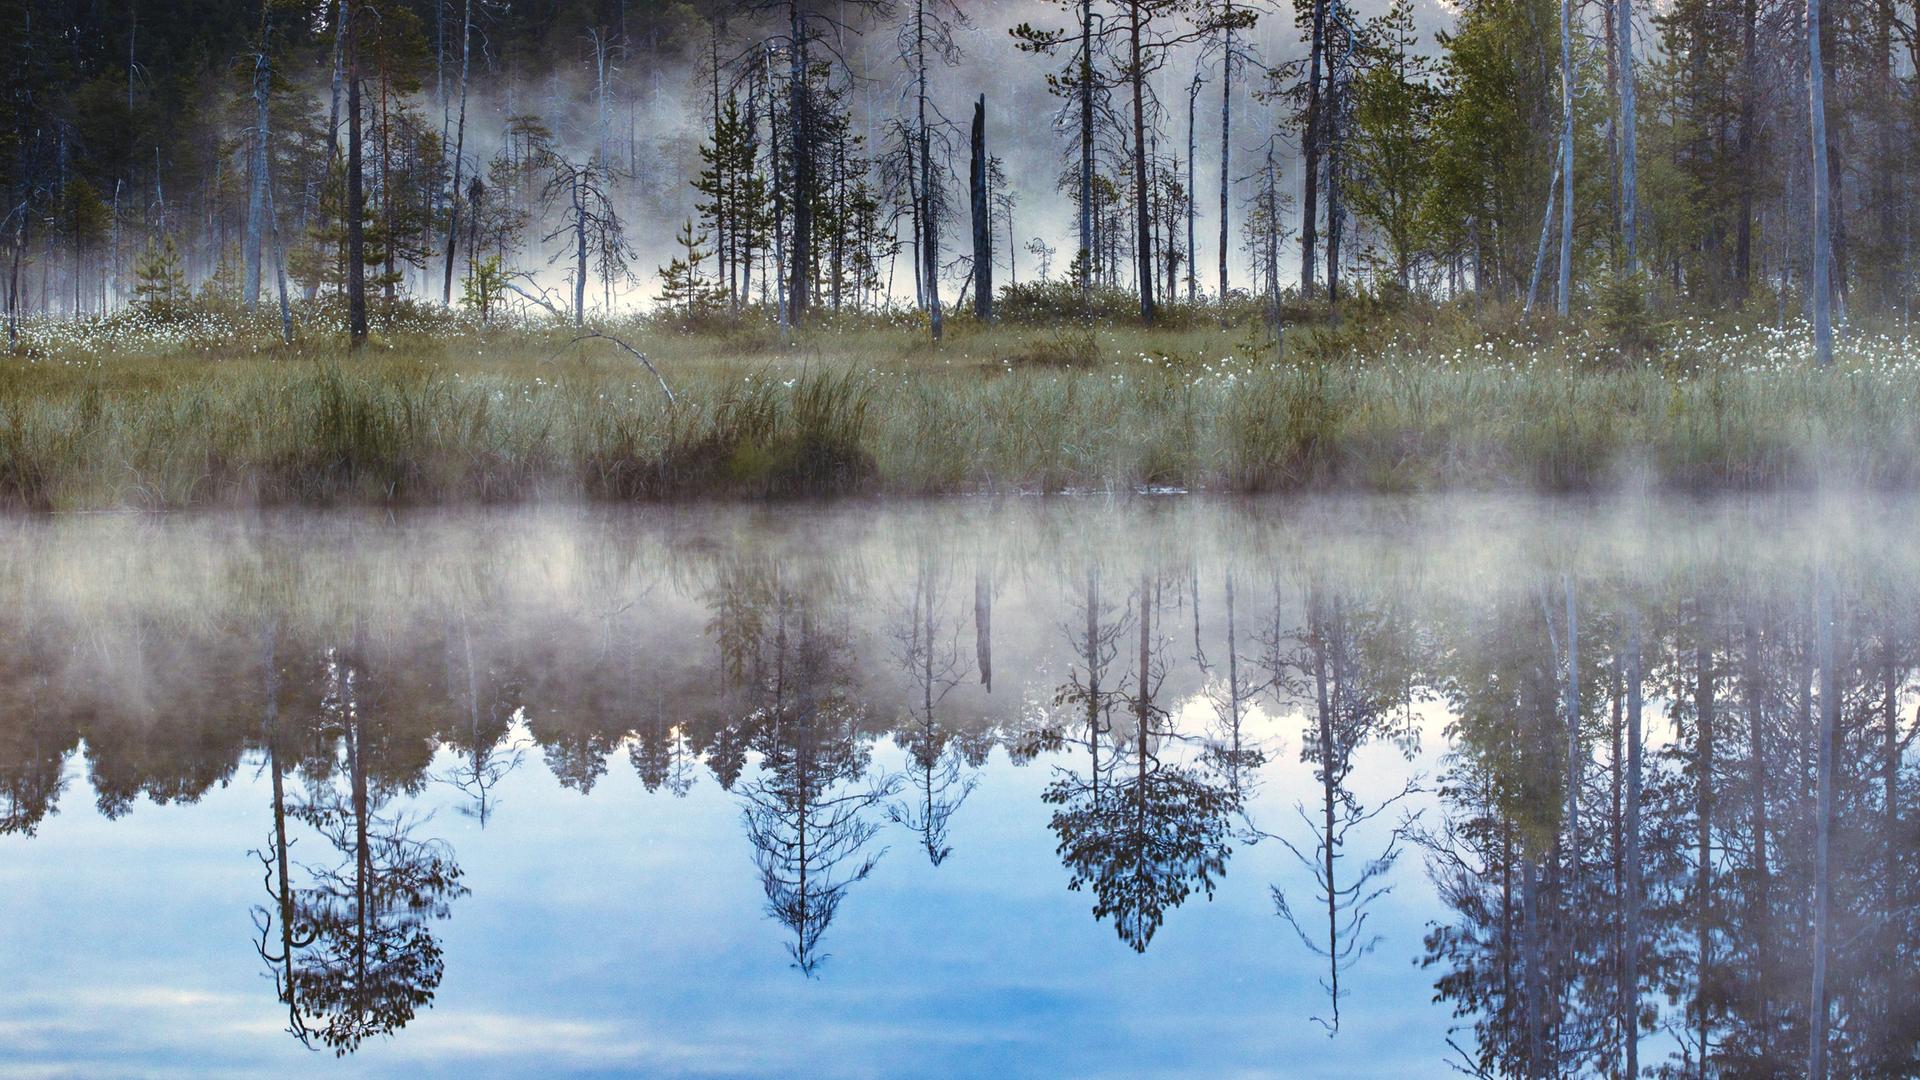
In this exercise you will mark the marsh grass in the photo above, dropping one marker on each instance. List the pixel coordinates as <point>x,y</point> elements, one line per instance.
<point>445,412</point>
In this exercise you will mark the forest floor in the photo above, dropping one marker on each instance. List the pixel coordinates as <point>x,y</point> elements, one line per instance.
<point>211,410</point>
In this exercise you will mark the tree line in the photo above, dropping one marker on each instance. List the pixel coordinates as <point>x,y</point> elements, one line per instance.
<point>1717,152</point>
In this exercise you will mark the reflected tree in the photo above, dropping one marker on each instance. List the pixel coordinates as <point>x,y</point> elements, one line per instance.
<point>360,958</point>
<point>662,755</point>
<point>983,626</point>
<point>810,813</point>
<point>928,651</point>
<point>35,737</point>
<point>280,936</point>
<point>1158,830</point>
<point>486,757</point>
<point>1354,695</point>
<point>1231,752</point>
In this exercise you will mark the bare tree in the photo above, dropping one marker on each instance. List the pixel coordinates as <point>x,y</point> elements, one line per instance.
<point>927,36</point>
<point>1566,159</point>
<point>581,192</point>
<point>927,647</point>
<point>1629,171</point>
<point>1818,1011</point>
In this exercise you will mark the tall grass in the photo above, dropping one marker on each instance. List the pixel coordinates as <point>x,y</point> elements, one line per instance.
<point>515,415</point>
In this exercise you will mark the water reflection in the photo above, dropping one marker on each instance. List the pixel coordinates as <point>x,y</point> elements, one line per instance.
<point>1639,801</point>
<point>1141,831</point>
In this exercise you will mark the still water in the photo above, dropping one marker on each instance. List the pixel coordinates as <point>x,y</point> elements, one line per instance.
<point>1065,788</point>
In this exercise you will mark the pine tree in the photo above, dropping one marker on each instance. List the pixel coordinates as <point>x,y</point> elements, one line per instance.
<point>682,288</point>
<point>160,284</point>
<point>482,286</point>
<point>734,191</point>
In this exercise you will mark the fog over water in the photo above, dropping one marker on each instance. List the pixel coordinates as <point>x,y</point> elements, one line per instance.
<point>966,787</point>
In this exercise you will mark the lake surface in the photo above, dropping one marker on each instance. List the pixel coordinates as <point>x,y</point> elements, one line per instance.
<point>1024,788</point>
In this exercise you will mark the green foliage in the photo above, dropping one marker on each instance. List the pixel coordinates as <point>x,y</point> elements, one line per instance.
<point>1396,99</point>
<point>1494,136</point>
<point>160,285</point>
<point>735,209</point>
<point>481,289</point>
<point>85,218</point>
<point>1623,320</point>
<point>683,289</point>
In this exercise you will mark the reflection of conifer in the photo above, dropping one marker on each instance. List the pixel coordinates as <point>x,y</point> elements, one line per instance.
<point>807,813</point>
<point>1352,701</point>
<point>1144,839</point>
<point>360,956</point>
<point>936,783</point>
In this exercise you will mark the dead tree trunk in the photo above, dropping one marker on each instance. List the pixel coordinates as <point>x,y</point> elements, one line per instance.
<point>982,218</point>
<point>1310,149</point>
<point>1226,142</point>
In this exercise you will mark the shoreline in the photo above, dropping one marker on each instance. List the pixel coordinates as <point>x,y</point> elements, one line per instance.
<point>495,418</point>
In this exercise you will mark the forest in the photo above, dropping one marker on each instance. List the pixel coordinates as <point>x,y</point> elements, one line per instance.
<point>463,152</point>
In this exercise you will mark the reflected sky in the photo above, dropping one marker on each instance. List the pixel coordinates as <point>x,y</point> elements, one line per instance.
<point>727,794</point>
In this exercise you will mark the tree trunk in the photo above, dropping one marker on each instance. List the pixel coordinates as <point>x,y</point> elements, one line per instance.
<point>1143,216</point>
<point>1820,279</point>
<point>1329,801</point>
<point>1629,172</point>
<point>1087,242</point>
<point>279,265</point>
<point>1546,231</point>
<point>459,151</point>
<point>1823,813</point>
<point>1630,966</point>
<point>983,627</point>
<point>1749,91</point>
<point>929,208</point>
<point>1226,145</point>
<point>1575,770</point>
<point>1760,898</point>
<point>982,218</point>
<point>257,197</point>
<point>1310,148</point>
<point>390,242</point>
<point>801,140</point>
<point>580,252</point>
<point>1193,201</point>
<point>1565,294</point>
<point>914,207</point>
<point>1330,129</point>
<point>356,197</point>
<point>1704,704</point>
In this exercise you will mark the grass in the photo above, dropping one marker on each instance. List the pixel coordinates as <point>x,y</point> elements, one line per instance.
<point>125,414</point>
